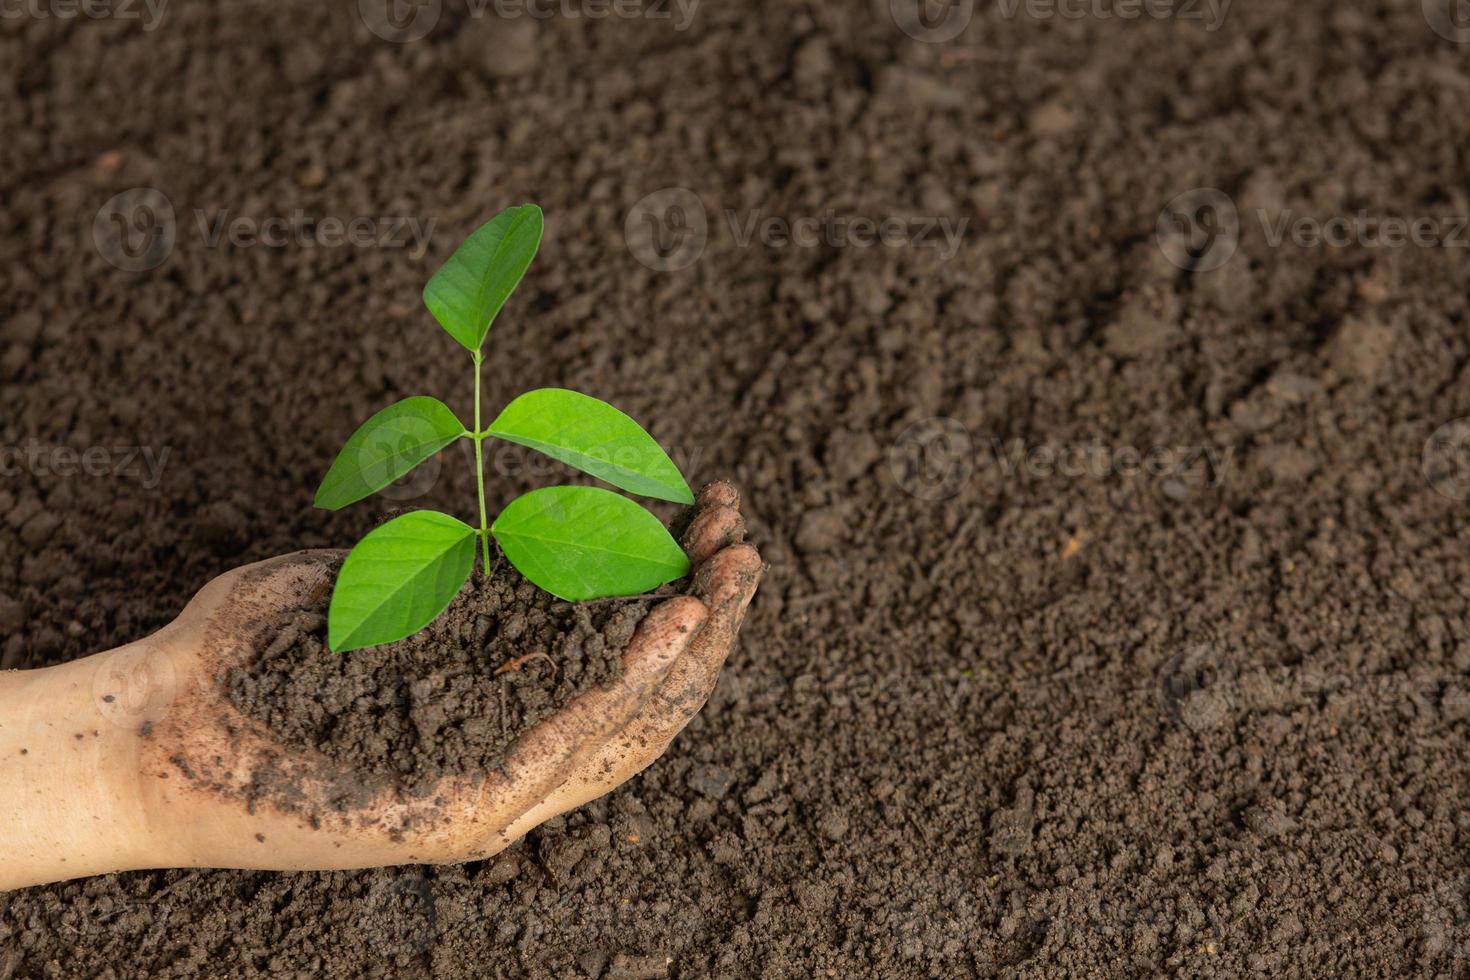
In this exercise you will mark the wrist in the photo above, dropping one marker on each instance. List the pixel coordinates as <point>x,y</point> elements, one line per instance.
<point>70,796</point>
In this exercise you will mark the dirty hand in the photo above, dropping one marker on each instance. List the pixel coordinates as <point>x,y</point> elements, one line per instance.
<point>166,773</point>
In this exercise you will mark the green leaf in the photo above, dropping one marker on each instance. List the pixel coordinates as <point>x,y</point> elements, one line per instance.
<point>399,579</point>
<point>386,447</point>
<point>586,543</point>
<point>470,288</point>
<point>596,438</point>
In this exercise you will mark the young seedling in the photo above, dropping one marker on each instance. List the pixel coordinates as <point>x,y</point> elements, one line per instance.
<point>574,542</point>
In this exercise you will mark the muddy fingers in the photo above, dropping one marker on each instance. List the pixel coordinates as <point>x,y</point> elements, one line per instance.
<point>726,582</point>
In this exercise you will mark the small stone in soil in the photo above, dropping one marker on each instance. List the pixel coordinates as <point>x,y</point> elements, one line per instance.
<point>710,781</point>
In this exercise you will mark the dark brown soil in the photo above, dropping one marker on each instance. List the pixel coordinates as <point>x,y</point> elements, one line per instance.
<point>449,700</point>
<point>994,717</point>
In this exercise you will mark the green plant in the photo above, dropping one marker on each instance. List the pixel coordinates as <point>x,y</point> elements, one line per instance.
<point>574,542</point>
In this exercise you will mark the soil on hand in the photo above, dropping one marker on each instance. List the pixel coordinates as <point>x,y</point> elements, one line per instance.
<point>449,700</point>
<point>1160,665</point>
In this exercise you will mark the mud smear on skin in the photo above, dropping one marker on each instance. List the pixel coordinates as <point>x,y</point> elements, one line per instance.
<point>1047,725</point>
<point>449,701</point>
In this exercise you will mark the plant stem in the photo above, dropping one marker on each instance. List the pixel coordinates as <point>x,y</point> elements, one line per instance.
<point>480,471</point>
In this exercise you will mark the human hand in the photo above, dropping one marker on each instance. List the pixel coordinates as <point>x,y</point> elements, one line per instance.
<point>136,758</point>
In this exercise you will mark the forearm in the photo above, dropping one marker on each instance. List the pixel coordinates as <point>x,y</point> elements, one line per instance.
<point>69,787</point>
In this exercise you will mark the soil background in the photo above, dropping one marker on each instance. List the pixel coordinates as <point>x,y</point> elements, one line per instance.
<point>1004,716</point>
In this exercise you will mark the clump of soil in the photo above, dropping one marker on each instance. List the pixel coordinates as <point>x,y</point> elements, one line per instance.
<point>451,699</point>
